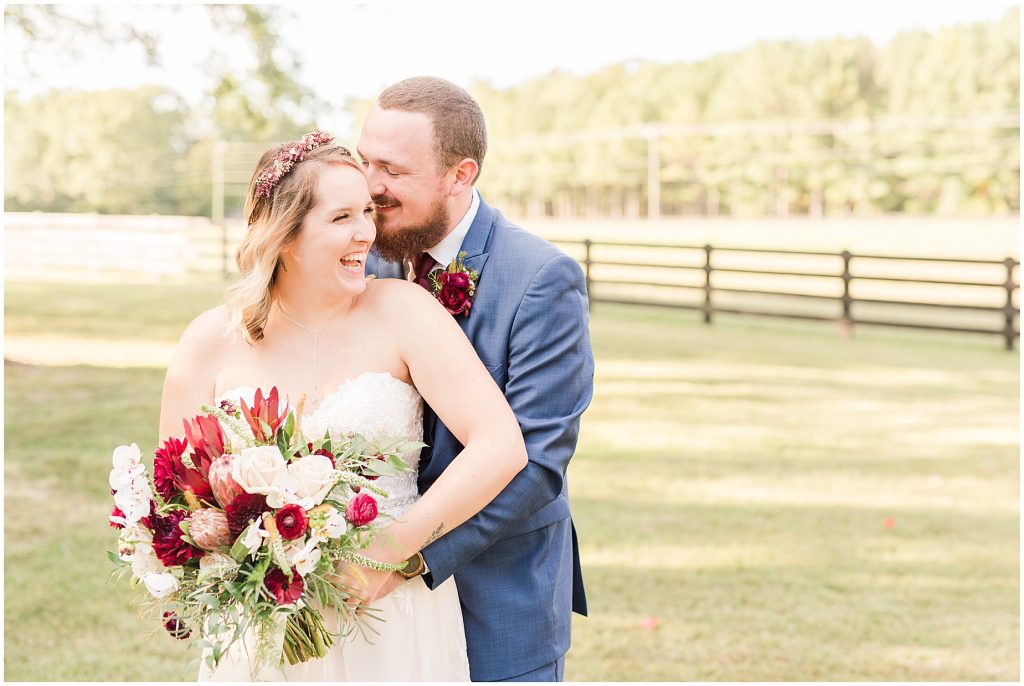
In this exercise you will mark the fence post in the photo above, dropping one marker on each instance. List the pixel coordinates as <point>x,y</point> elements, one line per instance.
<point>707,284</point>
<point>1008,309</point>
<point>846,321</point>
<point>586,270</point>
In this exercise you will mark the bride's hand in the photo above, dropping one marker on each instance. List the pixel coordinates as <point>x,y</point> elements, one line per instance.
<point>368,585</point>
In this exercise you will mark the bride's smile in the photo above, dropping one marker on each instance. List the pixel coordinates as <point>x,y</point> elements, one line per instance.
<point>327,259</point>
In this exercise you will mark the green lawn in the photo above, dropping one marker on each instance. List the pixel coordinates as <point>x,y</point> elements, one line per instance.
<point>755,500</point>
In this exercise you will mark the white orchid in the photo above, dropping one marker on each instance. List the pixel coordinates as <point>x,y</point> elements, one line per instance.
<point>253,537</point>
<point>304,558</point>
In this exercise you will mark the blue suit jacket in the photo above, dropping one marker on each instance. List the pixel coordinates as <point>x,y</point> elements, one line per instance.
<point>516,562</point>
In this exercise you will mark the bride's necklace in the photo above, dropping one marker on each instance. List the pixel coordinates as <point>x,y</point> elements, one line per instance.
<point>316,334</point>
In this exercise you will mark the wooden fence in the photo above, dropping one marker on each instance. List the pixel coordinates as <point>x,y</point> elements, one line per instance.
<point>939,293</point>
<point>986,303</point>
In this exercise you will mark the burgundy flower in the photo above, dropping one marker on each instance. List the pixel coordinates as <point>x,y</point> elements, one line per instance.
<point>458,280</point>
<point>265,409</point>
<point>168,543</point>
<point>116,512</point>
<point>291,521</point>
<point>170,474</point>
<point>455,300</point>
<point>175,627</point>
<point>284,591</point>
<point>164,460</point>
<point>361,510</point>
<point>243,509</point>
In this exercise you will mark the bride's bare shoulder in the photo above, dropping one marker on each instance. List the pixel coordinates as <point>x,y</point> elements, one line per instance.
<point>397,294</point>
<point>207,334</point>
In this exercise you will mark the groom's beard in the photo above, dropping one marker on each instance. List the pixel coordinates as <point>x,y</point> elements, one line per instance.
<point>396,243</point>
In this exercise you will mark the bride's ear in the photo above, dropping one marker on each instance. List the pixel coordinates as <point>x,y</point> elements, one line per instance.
<point>465,175</point>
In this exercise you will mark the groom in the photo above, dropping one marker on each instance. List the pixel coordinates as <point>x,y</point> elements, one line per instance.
<point>516,563</point>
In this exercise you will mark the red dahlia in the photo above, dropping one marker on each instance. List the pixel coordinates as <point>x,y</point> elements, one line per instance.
<point>284,591</point>
<point>291,521</point>
<point>168,544</point>
<point>243,509</point>
<point>163,465</point>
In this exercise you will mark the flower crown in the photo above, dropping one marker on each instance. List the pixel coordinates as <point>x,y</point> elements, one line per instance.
<point>287,159</point>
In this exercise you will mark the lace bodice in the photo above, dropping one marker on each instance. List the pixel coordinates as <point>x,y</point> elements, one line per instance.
<point>377,406</point>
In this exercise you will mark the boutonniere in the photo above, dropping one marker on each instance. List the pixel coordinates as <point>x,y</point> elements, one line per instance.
<point>455,286</point>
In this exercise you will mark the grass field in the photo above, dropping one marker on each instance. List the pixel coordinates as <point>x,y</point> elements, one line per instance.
<point>755,500</point>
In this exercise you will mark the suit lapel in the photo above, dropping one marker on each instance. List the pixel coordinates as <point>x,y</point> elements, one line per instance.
<point>475,246</point>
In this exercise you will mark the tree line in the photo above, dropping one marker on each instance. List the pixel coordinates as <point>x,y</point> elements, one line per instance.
<point>928,123</point>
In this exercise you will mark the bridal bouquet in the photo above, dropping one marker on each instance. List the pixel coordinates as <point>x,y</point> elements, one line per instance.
<point>242,523</point>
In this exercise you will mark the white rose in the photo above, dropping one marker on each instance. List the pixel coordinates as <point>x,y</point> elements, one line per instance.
<point>160,585</point>
<point>146,564</point>
<point>313,476</point>
<point>259,470</point>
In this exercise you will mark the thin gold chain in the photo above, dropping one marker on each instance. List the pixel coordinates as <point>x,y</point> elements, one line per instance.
<point>316,335</point>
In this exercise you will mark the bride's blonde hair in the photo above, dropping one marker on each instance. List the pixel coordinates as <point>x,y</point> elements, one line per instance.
<point>275,219</point>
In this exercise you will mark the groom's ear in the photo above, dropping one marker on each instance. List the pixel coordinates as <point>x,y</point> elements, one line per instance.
<point>465,175</point>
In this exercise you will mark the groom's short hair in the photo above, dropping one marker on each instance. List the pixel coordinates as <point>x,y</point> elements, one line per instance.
<point>459,128</point>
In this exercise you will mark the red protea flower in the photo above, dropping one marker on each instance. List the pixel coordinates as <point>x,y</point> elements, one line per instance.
<point>291,521</point>
<point>209,529</point>
<point>284,591</point>
<point>168,544</point>
<point>164,460</point>
<point>225,488</point>
<point>175,627</point>
<point>207,440</point>
<point>243,509</point>
<point>265,409</point>
<point>116,512</point>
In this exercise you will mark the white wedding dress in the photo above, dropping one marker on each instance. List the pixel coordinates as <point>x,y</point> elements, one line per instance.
<point>422,636</point>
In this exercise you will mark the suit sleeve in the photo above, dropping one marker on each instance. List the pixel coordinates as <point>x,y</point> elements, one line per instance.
<point>550,384</point>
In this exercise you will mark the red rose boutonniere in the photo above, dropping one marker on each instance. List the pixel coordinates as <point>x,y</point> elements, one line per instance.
<point>455,286</point>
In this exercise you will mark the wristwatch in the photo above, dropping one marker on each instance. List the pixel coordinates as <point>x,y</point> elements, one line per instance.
<point>414,566</point>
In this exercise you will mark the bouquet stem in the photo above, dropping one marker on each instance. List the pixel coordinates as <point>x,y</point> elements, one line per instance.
<point>306,637</point>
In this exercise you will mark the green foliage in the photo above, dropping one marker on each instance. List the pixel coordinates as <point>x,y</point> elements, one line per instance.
<point>590,152</point>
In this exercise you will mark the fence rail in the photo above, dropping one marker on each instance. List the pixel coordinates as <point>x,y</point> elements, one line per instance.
<point>846,279</point>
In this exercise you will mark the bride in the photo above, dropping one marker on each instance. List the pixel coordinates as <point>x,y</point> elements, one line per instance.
<point>365,355</point>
